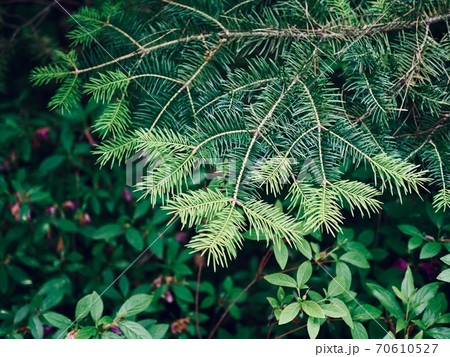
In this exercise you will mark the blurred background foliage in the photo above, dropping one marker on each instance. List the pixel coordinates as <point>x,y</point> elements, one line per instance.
<point>68,228</point>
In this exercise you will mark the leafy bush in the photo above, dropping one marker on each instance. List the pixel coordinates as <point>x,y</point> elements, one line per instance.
<point>298,129</point>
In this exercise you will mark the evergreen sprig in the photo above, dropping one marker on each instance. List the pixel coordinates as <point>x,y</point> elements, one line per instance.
<point>277,98</point>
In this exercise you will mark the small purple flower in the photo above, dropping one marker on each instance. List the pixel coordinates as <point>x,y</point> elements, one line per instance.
<point>126,195</point>
<point>69,205</point>
<point>5,165</point>
<point>401,264</point>
<point>115,329</point>
<point>431,268</point>
<point>168,296</point>
<point>48,330</point>
<point>85,219</point>
<point>43,133</point>
<point>51,210</point>
<point>182,237</point>
<point>15,210</point>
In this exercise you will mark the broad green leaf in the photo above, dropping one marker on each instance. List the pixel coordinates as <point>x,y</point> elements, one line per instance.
<point>183,293</point>
<point>444,276</point>
<point>280,294</point>
<point>366,237</point>
<point>106,320</point>
<point>21,314</point>
<point>399,294</point>
<point>358,247</point>
<point>356,259</point>
<point>66,225</point>
<point>386,299</point>
<point>313,327</point>
<point>304,247</point>
<point>51,163</point>
<point>366,312</point>
<point>158,331</point>
<point>409,230</point>
<point>57,320</point>
<point>141,209</point>
<point>289,313</point>
<point>96,307</point>
<point>336,286</point>
<point>304,272</point>
<point>133,330</point>
<point>444,319</point>
<point>439,332</point>
<point>389,336</point>
<point>407,287</point>
<point>400,325</point>
<point>273,302</point>
<point>281,279</point>
<point>422,298</point>
<point>436,217</point>
<point>332,310</point>
<point>86,333</point>
<point>414,242</point>
<point>108,232</point>
<point>446,259</point>
<point>343,270</point>
<point>430,250</point>
<point>135,305</point>
<point>83,307</point>
<point>36,328</point>
<point>312,309</point>
<point>347,317</point>
<point>281,254</point>
<point>134,238</point>
<point>359,332</point>
<point>435,308</point>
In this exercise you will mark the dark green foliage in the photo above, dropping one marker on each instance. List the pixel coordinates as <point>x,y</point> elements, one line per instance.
<point>304,135</point>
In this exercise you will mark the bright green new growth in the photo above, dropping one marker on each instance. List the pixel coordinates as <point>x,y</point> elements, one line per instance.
<point>292,97</point>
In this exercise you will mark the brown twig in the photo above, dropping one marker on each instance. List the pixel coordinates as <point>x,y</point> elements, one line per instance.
<point>270,328</point>
<point>289,332</point>
<point>259,275</point>
<point>197,324</point>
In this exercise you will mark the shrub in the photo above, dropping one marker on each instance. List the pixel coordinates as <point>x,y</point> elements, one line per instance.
<point>259,121</point>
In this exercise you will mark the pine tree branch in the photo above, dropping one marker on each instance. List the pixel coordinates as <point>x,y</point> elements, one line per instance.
<point>255,136</point>
<point>231,92</point>
<point>369,88</point>
<point>300,137</point>
<point>211,138</point>
<point>146,50</point>
<point>108,24</point>
<point>441,168</point>
<point>319,132</point>
<point>201,13</point>
<point>328,33</point>
<point>186,84</point>
<point>236,6</point>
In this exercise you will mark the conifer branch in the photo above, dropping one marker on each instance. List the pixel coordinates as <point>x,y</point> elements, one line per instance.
<point>146,50</point>
<point>255,136</point>
<point>201,13</point>
<point>233,91</point>
<point>348,87</point>
<point>186,85</point>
